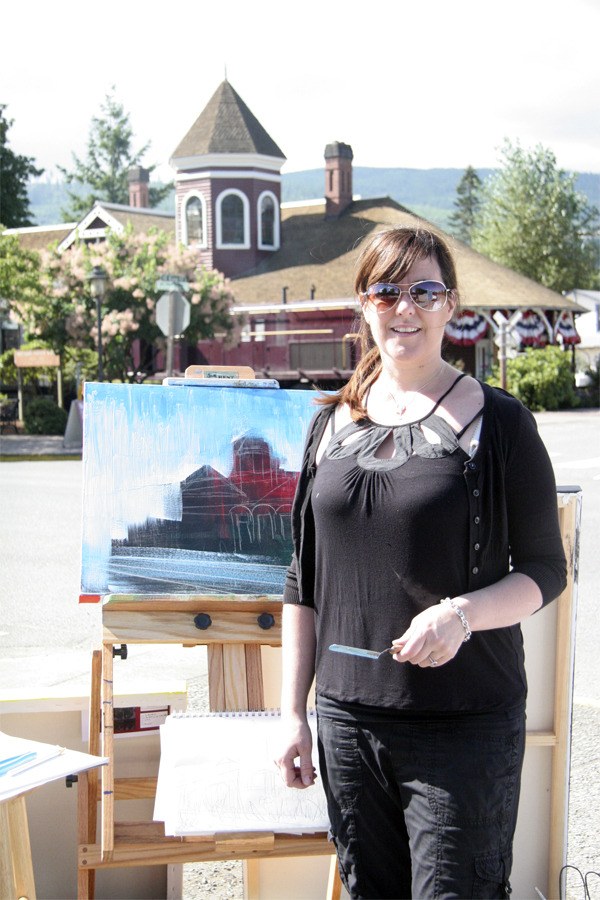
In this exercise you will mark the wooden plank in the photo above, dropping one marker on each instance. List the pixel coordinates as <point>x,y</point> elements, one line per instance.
<point>131,789</point>
<point>334,885</point>
<point>234,670</point>
<point>16,868</point>
<point>175,850</point>
<point>194,603</point>
<point>238,842</point>
<point>570,523</point>
<point>107,805</point>
<point>216,677</point>
<point>540,739</point>
<point>141,627</point>
<point>254,678</point>
<point>88,782</point>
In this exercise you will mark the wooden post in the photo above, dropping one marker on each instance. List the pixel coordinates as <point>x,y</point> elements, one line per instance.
<point>16,868</point>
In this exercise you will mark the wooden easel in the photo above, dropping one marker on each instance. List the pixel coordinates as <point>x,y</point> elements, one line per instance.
<point>233,641</point>
<point>229,626</point>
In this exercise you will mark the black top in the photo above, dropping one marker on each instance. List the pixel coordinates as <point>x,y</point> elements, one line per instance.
<point>379,540</point>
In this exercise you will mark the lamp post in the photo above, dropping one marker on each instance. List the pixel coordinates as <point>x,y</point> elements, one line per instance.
<point>98,280</point>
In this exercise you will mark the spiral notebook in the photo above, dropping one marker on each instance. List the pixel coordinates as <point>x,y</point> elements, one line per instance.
<point>217,774</point>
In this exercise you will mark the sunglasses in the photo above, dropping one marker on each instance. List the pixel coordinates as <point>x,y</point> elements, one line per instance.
<point>427,295</point>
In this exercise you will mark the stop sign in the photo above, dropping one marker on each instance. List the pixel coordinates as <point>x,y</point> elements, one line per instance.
<point>172,313</point>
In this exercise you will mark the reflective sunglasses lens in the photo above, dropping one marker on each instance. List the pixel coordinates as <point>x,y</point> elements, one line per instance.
<point>383,296</point>
<point>429,295</point>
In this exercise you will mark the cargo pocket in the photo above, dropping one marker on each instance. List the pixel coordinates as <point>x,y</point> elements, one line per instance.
<point>491,876</point>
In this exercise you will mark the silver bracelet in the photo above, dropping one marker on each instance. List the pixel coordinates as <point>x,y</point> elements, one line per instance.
<point>460,614</point>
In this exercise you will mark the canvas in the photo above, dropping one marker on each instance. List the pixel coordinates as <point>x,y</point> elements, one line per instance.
<point>189,489</point>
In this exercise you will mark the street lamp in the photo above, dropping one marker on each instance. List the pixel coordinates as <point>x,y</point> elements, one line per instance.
<point>98,279</point>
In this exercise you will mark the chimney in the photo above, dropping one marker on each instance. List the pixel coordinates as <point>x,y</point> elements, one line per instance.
<point>138,178</point>
<point>338,178</point>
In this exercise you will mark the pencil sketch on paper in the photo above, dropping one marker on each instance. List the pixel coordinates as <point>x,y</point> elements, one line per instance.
<point>217,775</point>
<point>189,488</point>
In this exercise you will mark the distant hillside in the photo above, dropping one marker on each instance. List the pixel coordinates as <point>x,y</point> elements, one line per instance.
<point>430,193</point>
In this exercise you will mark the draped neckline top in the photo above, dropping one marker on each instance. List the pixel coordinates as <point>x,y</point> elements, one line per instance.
<point>363,439</point>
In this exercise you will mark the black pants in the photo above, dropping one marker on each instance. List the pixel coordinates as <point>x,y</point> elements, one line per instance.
<point>423,809</point>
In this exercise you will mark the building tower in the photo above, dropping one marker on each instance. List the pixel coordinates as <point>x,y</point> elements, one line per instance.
<point>228,186</point>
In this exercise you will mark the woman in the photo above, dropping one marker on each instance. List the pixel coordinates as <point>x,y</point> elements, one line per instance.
<point>425,521</point>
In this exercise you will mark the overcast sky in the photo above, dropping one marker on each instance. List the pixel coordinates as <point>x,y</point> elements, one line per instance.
<point>419,84</point>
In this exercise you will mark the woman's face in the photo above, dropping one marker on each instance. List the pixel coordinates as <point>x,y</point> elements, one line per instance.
<point>407,334</point>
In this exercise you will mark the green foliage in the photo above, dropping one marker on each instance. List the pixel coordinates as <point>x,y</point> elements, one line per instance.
<point>43,416</point>
<point>15,172</point>
<point>109,157</point>
<point>533,220</point>
<point>541,379</point>
<point>467,205</point>
<point>20,278</point>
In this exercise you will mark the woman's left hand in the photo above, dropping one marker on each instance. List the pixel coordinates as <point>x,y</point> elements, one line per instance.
<point>432,638</point>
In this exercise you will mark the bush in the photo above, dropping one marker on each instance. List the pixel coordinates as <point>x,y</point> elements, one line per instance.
<point>44,416</point>
<point>541,379</point>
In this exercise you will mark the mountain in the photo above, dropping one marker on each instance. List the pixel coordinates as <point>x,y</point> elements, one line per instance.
<point>428,192</point>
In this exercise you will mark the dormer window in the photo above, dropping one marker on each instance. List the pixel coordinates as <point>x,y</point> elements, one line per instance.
<point>268,221</point>
<point>194,221</point>
<point>233,220</point>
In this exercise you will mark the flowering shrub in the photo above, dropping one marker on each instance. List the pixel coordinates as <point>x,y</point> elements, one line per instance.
<point>63,313</point>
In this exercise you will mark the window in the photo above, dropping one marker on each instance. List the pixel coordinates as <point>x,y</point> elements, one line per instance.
<point>193,221</point>
<point>233,220</point>
<point>268,221</point>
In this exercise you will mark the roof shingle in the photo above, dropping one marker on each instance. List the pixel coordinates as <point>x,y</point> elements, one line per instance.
<point>226,125</point>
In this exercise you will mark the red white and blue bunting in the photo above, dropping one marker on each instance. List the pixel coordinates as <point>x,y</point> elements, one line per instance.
<point>467,328</point>
<point>531,329</point>
<point>565,330</point>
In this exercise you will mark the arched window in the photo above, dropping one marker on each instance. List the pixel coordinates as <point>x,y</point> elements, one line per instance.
<point>193,220</point>
<point>268,221</point>
<point>233,222</point>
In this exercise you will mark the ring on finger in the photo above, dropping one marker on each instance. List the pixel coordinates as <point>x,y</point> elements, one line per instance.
<point>433,661</point>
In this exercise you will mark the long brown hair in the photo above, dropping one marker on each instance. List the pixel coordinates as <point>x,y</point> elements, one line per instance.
<point>387,256</point>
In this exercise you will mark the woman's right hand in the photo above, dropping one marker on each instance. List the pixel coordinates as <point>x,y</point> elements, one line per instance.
<point>295,761</point>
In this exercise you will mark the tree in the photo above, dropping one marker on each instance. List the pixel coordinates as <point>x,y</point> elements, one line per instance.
<point>20,276</point>
<point>534,221</point>
<point>109,158</point>
<point>15,172</point>
<point>467,203</point>
<point>64,315</point>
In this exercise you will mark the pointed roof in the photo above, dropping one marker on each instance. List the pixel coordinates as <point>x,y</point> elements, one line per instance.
<point>226,125</point>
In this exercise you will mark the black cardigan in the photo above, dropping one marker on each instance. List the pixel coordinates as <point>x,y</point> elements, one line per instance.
<point>512,497</point>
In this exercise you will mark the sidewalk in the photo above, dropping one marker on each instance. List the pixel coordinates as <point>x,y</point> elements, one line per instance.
<point>32,447</point>
<point>36,447</point>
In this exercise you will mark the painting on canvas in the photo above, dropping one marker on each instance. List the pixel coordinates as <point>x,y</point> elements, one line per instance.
<point>189,488</point>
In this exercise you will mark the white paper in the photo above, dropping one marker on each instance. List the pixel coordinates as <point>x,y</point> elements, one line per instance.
<point>50,763</point>
<point>217,774</point>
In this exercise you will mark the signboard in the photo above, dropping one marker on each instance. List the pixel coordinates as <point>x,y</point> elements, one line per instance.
<point>25,359</point>
<point>172,313</point>
<point>171,283</point>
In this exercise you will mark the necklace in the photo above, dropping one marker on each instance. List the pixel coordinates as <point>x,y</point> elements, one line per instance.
<point>403,404</point>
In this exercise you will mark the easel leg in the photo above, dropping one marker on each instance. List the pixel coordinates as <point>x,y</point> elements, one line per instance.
<point>87,785</point>
<point>334,886</point>
<point>108,779</point>
<point>16,868</point>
